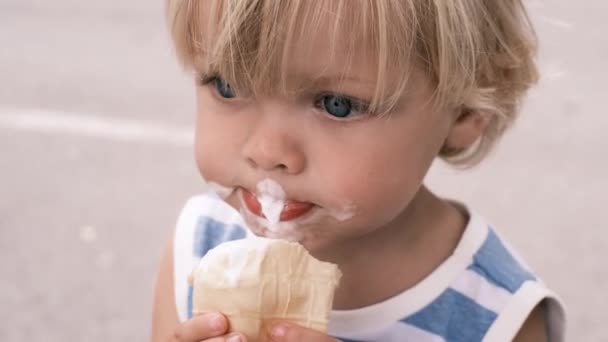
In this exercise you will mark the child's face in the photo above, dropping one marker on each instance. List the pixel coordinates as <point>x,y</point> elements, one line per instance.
<point>359,172</point>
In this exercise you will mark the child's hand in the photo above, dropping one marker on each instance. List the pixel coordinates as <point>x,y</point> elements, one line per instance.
<point>210,327</point>
<point>289,332</point>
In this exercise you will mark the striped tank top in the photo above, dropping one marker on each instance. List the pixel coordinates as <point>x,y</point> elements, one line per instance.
<point>482,292</point>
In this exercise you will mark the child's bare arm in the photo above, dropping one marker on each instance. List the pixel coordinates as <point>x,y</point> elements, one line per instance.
<point>164,314</point>
<point>165,322</point>
<point>534,328</point>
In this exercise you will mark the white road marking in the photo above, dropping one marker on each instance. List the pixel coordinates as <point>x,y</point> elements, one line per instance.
<point>562,24</point>
<point>94,126</point>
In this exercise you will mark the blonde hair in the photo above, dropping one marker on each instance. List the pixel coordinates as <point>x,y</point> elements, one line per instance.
<point>479,53</point>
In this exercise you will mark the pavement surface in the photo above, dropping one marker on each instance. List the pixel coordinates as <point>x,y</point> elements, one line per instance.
<point>95,131</point>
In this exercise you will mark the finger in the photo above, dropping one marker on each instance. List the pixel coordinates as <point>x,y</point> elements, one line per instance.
<point>285,332</point>
<point>201,327</point>
<point>234,337</point>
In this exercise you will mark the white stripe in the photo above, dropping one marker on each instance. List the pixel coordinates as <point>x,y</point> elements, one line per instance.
<point>480,290</point>
<point>396,332</point>
<point>345,322</point>
<point>529,295</point>
<point>87,125</point>
<point>407,332</point>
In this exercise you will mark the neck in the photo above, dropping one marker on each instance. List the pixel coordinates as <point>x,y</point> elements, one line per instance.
<point>399,255</point>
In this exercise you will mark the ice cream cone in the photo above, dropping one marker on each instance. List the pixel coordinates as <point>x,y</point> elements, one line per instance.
<point>253,281</point>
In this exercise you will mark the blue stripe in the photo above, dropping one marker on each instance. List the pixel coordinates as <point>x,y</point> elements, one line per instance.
<point>494,262</point>
<point>210,233</point>
<point>237,233</point>
<point>454,317</point>
<point>190,291</point>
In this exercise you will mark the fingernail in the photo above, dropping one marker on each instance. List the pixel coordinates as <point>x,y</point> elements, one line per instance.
<point>234,338</point>
<point>279,331</point>
<point>216,322</point>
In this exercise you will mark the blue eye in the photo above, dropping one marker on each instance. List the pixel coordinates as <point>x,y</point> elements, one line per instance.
<point>338,106</point>
<point>223,88</point>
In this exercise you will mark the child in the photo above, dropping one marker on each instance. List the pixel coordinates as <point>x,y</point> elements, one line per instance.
<point>344,104</point>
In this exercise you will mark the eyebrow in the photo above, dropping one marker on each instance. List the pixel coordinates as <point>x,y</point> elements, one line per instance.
<point>329,79</point>
<point>332,81</point>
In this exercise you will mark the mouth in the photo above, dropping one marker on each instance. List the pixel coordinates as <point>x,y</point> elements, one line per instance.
<point>291,209</point>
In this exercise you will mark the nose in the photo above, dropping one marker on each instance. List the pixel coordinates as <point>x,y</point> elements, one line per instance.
<point>273,147</point>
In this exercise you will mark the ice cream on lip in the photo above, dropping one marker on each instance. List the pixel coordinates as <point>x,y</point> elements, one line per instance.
<point>260,226</point>
<point>270,208</point>
<point>270,203</point>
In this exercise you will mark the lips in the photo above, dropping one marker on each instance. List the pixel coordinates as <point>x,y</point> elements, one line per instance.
<point>291,209</point>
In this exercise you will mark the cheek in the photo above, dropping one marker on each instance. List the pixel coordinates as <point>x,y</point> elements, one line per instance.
<point>385,193</point>
<point>215,146</point>
<point>208,161</point>
<point>375,183</point>
<point>380,180</point>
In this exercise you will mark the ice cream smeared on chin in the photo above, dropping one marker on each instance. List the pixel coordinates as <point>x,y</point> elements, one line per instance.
<point>260,226</point>
<point>270,213</point>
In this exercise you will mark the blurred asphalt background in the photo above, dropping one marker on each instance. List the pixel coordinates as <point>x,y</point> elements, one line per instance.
<point>95,164</point>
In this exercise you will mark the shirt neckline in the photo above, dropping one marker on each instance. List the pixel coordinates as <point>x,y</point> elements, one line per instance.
<point>373,317</point>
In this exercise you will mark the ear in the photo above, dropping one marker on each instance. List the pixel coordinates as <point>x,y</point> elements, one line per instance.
<point>467,127</point>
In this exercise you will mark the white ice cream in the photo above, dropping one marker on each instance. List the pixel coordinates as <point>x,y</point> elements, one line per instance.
<point>229,260</point>
<point>341,214</point>
<point>272,198</point>
<point>345,213</point>
<point>281,230</point>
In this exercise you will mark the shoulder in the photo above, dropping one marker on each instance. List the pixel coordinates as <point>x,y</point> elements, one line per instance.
<point>499,280</point>
<point>483,292</point>
<point>534,328</point>
<point>492,295</point>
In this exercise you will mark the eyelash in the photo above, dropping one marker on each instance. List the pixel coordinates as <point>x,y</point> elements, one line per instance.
<point>206,79</point>
<point>360,107</point>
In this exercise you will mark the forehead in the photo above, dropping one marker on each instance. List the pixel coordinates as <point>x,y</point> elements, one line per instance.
<point>324,55</point>
<point>325,33</point>
<point>299,41</point>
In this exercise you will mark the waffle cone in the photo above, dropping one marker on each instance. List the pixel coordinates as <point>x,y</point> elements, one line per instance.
<point>253,281</point>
